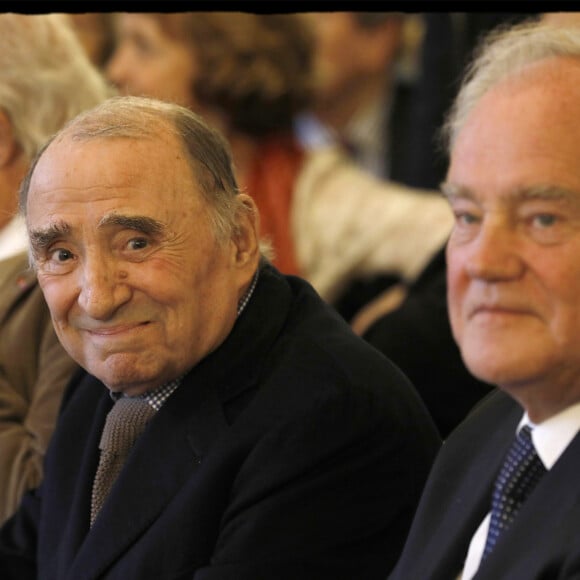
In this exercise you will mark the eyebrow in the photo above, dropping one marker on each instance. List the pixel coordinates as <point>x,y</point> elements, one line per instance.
<point>41,239</point>
<point>537,192</point>
<point>450,190</point>
<point>139,223</point>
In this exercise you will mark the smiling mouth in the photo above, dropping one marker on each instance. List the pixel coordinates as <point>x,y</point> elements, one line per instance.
<point>499,311</point>
<point>116,330</point>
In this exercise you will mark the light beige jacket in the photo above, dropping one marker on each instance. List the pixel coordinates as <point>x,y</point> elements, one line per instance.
<point>34,370</point>
<point>348,224</point>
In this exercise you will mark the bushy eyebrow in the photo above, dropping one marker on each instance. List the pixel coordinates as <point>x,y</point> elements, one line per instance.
<point>42,238</point>
<point>139,223</point>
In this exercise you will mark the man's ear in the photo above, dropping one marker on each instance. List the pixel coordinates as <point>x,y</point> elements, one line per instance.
<point>246,237</point>
<point>9,148</point>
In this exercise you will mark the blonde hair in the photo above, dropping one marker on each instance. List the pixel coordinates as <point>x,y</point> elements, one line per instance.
<point>255,69</point>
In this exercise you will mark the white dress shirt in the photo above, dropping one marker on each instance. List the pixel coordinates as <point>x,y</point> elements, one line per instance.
<point>550,440</point>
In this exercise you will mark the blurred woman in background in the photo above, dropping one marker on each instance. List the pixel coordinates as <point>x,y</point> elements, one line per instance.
<point>249,75</point>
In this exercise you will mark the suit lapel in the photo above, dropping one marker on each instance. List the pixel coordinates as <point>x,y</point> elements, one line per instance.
<point>176,439</point>
<point>78,518</point>
<point>471,502</point>
<point>466,487</point>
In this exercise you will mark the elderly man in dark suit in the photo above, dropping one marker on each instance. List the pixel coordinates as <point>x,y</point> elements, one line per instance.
<point>503,498</point>
<point>229,423</point>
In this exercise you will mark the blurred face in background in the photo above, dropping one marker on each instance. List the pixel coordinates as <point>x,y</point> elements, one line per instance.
<point>95,31</point>
<point>336,59</point>
<point>346,53</point>
<point>147,61</point>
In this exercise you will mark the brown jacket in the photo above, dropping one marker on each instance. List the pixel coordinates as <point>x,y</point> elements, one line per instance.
<point>34,371</point>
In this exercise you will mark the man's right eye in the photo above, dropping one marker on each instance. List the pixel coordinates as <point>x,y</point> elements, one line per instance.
<point>465,218</point>
<point>61,255</point>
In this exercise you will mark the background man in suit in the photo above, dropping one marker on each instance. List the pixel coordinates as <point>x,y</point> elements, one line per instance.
<point>514,301</point>
<point>277,443</point>
<point>360,89</point>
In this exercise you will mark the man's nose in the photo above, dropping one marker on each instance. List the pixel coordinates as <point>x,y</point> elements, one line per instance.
<point>116,68</point>
<point>494,254</point>
<point>103,288</point>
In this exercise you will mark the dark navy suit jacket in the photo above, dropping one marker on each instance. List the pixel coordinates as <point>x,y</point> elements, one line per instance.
<point>543,543</point>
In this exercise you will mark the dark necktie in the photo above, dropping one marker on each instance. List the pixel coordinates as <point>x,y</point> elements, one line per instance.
<point>125,421</point>
<point>521,471</point>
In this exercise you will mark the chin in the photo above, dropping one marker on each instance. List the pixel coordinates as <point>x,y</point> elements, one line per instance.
<point>497,369</point>
<point>495,365</point>
<point>493,376</point>
<point>131,380</point>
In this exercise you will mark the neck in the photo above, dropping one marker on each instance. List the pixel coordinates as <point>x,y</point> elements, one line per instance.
<point>543,401</point>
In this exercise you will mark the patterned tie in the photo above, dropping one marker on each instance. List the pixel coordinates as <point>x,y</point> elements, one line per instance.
<point>125,421</point>
<point>521,471</point>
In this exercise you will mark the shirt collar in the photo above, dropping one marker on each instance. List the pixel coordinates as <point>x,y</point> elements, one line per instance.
<point>248,293</point>
<point>552,437</point>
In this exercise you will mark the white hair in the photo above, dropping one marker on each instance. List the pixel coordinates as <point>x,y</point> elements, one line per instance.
<point>46,77</point>
<point>505,53</point>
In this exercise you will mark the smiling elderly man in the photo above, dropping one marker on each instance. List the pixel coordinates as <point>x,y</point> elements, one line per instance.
<point>229,424</point>
<point>503,499</point>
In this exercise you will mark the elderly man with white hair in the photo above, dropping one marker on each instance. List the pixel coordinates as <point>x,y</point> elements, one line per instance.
<point>503,498</point>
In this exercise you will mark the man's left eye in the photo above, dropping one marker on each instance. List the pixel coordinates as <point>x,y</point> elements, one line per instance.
<point>545,219</point>
<point>138,243</point>
<point>61,255</point>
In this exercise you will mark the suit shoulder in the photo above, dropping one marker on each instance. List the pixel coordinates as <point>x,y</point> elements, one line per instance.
<point>317,360</point>
<point>16,270</point>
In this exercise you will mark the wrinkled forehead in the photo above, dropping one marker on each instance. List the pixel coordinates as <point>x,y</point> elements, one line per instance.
<point>528,123</point>
<point>72,153</point>
<point>552,83</point>
<point>112,172</point>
